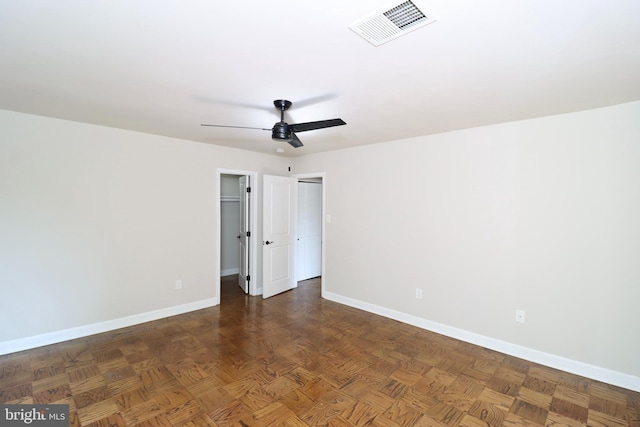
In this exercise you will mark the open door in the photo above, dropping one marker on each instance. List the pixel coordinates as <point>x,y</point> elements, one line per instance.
<point>244,236</point>
<point>280,198</point>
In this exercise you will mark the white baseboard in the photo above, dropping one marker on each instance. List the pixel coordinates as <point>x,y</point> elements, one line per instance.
<point>229,272</point>
<point>608,376</point>
<point>21,344</point>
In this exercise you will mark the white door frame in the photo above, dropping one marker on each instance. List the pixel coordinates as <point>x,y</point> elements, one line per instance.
<point>323,176</point>
<point>253,221</point>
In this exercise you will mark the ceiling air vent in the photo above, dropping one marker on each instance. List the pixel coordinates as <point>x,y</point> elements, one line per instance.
<point>391,22</point>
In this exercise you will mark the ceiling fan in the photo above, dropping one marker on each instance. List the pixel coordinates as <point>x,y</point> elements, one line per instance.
<point>282,131</point>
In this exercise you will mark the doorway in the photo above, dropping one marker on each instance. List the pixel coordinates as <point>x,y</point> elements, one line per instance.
<point>283,245</point>
<point>309,238</point>
<point>236,221</point>
<point>311,228</point>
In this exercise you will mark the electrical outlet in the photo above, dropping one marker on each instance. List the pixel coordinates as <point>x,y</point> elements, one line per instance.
<point>520,316</point>
<point>418,293</point>
<point>178,284</point>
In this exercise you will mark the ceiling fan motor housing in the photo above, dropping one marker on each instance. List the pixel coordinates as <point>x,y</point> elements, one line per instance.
<point>281,132</point>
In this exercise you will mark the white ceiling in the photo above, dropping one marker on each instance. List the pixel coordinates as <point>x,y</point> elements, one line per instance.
<point>166,66</point>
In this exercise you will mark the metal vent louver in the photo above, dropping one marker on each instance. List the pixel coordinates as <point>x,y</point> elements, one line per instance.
<point>391,22</point>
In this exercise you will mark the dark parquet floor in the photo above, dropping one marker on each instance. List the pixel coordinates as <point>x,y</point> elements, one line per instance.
<point>298,360</point>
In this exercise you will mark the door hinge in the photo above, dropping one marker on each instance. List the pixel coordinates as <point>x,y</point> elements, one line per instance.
<point>248,189</point>
<point>248,234</point>
<point>248,278</point>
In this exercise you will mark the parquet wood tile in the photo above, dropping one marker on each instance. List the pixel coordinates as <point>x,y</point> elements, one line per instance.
<point>529,411</point>
<point>486,412</point>
<point>297,360</point>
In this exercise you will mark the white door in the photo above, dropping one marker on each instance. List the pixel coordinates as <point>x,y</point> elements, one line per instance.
<point>245,234</point>
<point>278,209</point>
<point>309,242</point>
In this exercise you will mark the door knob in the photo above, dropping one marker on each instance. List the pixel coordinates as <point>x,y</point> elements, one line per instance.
<point>268,242</point>
<point>238,236</point>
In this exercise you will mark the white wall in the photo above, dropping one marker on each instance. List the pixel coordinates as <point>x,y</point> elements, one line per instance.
<point>229,185</point>
<point>96,224</point>
<point>541,215</point>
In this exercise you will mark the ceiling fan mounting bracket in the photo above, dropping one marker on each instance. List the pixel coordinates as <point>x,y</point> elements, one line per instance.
<point>282,104</point>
